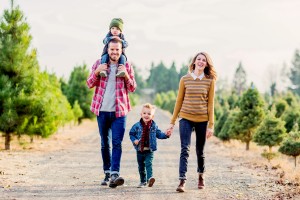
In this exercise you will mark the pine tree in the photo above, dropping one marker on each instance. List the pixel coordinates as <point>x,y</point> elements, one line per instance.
<point>18,68</point>
<point>240,80</point>
<point>249,117</point>
<point>295,73</point>
<point>291,146</point>
<point>270,133</point>
<point>77,90</point>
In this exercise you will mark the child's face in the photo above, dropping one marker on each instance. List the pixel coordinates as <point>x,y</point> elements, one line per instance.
<point>115,31</point>
<point>147,114</point>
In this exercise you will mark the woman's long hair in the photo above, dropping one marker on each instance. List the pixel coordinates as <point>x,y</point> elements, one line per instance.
<point>209,70</point>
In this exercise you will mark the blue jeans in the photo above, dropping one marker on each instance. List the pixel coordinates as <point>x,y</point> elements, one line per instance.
<point>112,129</point>
<point>185,130</point>
<point>145,159</point>
<point>105,59</point>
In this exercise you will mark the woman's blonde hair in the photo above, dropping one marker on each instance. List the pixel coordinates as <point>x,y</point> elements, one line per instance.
<point>209,70</point>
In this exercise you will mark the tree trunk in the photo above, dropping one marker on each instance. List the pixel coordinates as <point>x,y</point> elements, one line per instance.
<point>270,149</point>
<point>7,141</point>
<point>295,161</point>
<point>247,145</point>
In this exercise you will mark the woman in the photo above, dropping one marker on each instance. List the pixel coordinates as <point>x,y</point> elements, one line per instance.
<point>195,108</point>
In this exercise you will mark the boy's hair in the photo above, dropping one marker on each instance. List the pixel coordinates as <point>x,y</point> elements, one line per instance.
<point>149,106</point>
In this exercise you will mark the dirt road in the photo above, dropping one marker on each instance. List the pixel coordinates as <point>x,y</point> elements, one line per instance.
<point>73,170</point>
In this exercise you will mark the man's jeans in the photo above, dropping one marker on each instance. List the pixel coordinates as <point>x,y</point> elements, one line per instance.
<point>112,129</point>
<point>145,159</point>
<point>185,130</point>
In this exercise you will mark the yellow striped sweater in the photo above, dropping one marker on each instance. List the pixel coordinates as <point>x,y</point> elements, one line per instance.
<point>195,100</point>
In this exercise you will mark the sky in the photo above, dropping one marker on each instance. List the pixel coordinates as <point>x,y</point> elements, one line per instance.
<point>261,34</point>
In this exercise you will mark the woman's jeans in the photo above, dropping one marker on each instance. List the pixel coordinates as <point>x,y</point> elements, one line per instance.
<point>186,128</point>
<point>145,159</point>
<point>112,129</point>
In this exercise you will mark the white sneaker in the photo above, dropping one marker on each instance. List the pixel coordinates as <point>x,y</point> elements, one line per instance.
<point>120,74</point>
<point>141,185</point>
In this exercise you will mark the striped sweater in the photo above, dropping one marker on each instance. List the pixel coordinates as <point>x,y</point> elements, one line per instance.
<point>195,100</point>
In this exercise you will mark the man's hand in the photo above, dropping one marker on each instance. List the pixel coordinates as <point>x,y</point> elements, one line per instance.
<point>101,67</point>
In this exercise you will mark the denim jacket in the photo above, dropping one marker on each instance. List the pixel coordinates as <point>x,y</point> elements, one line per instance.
<point>136,134</point>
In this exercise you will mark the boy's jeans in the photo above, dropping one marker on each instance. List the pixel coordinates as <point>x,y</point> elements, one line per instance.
<point>112,129</point>
<point>145,159</point>
<point>185,130</point>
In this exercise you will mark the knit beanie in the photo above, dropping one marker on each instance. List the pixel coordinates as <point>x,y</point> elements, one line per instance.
<point>116,22</point>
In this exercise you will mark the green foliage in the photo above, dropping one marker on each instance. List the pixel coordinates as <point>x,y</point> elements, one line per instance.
<point>166,100</point>
<point>291,146</point>
<point>77,111</point>
<point>30,102</point>
<point>225,132</point>
<point>134,99</point>
<point>240,80</point>
<point>76,90</point>
<point>271,132</point>
<point>269,155</point>
<point>163,79</point>
<point>280,106</point>
<point>249,117</point>
<point>295,73</point>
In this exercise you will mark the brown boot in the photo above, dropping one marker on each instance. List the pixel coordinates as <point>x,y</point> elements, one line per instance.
<point>181,186</point>
<point>201,181</point>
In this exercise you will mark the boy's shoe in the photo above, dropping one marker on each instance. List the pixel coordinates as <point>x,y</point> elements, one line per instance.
<point>115,181</point>
<point>201,181</point>
<point>103,74</point>
<point>141,185</point>
<point>181,186</point>
<point>106,179</point>
<point>151,182</point>
<point>120,74</point>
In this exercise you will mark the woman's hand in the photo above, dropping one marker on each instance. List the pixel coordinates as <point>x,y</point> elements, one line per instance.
<point>209,133</point>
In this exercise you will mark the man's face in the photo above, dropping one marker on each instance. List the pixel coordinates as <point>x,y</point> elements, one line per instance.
<point>114,51</point>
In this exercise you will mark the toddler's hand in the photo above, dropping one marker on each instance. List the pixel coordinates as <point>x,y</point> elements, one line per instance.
<point>136,142</point>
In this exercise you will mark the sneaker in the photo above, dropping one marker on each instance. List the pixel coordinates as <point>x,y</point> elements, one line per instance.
<point>103,74</point>
<point>141,185</point>
<point>120,74</point>
<point>106,179</point>
<point>151,182</point>
<point>181,186</point>
<point>201,181</point>
<point>115,181</point>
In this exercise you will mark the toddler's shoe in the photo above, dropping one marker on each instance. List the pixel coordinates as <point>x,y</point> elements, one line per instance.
<point>151,182</point>
<point>120,74</point>
<point>103,74</point>
<point>141,185</point>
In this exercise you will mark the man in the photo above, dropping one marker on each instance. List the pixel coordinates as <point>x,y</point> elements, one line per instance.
<point>111,104</point>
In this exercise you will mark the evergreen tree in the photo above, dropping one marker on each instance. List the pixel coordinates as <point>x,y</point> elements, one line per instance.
<point>295,73</point>
<point>291,146</point>
<point>225,133</point>
<point>77,112</point>
<point>240,80</point>
<point>270,133</point>
<point>30,102</point>
<point>281,106</point>
<point>77,90</point>
<point>249,117</point>
<point>173,79</point>
<point>139,81</point>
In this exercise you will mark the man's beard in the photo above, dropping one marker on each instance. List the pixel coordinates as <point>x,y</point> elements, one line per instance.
<point>113,58</point>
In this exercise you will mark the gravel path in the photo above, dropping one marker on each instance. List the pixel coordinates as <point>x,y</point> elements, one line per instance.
<point>74,171</point>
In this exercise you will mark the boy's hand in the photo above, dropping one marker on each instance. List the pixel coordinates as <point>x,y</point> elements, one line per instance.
<point>136,142</point>
<point>169,132</point>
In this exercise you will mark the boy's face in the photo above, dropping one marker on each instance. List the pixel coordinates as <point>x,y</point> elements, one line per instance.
<point>115,31</point>
<point>147,114</point>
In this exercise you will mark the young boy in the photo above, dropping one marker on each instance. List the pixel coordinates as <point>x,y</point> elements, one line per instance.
<point>115,31</point>
<point>143,135</point>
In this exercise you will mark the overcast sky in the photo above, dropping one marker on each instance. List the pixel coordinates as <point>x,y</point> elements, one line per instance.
<point>262,34</point>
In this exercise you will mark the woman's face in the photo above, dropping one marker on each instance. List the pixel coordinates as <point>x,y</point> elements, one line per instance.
<point>200,62</point>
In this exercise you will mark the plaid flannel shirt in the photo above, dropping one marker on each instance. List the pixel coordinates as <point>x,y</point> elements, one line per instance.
<point>122,88</point>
